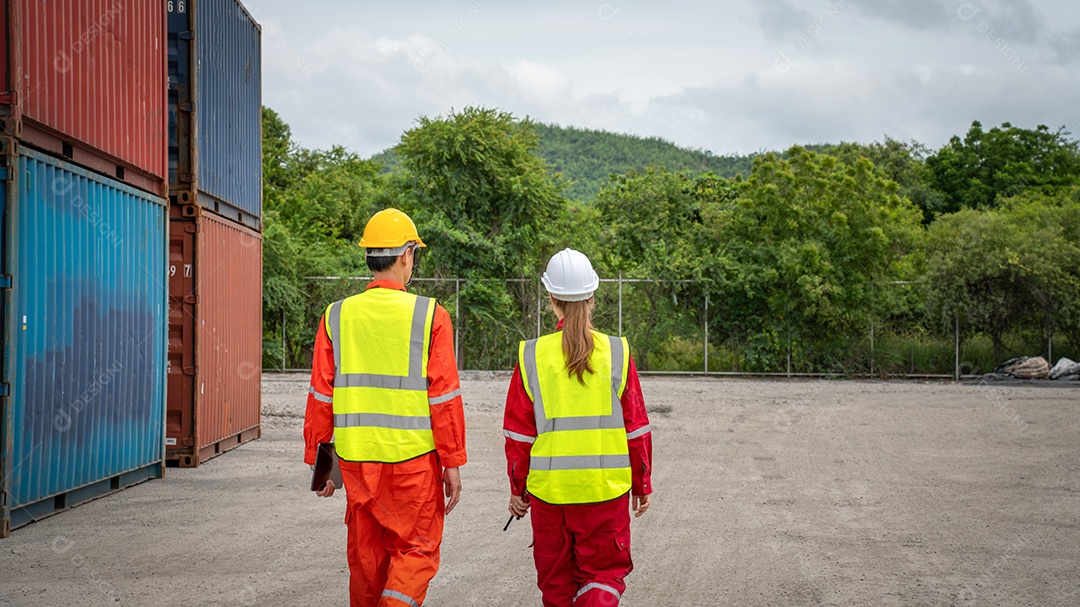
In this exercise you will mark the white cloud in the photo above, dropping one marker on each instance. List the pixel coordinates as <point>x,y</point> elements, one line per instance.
<point>855,70</point>
<point>539,79</point>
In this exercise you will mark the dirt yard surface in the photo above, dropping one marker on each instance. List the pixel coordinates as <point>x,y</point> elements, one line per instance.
<point>767,493</point>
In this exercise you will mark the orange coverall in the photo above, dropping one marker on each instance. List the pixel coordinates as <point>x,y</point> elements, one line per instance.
<point>395,511</point>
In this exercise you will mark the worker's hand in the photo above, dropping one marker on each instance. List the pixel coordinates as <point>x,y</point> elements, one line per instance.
<point>640,504</point>
<point>518,506</point>
<point>327,490</point>
<point>452,482</point>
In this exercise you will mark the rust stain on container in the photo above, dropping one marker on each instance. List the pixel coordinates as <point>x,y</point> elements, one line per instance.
<point>215,336</point>
<point>88,81</point>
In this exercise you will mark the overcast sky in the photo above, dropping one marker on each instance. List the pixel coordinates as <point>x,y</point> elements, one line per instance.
<point>729,77</point>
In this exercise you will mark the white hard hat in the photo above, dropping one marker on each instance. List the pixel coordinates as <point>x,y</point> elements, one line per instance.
<point>570,276</point>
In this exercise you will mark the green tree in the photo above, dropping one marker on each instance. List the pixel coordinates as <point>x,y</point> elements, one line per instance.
<point>999,270</point>
<point>650,227</point>
<point>487,207</point>
<point>277,148</point>
<point>799,252</point>
<point>589,158</point>
<point>975,274</point>
<point>984,167</point>
<point>586,159</point>
<point>482,194</point>
<point>332,194</point>
<point>315,205</point>
<point>1047,229</point>
<point>902,162</point>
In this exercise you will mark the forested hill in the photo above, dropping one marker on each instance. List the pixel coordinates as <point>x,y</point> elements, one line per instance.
<point>586,158</point>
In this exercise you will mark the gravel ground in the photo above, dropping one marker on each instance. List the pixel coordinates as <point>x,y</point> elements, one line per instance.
<point>767,493</point>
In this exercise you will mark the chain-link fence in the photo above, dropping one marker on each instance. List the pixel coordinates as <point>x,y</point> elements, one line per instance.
<point>671,329</point>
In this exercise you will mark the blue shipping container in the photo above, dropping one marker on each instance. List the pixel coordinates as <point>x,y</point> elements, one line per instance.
<point>215,75</point>
<point>85,335</point>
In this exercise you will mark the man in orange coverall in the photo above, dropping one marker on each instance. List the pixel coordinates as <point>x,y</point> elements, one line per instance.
<point>384,385</point>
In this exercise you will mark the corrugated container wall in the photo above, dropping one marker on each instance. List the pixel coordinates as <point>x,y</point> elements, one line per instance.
<point>215,337</point>
<point>84,336</point>
<point>215,121</point>
<point>88,81</point>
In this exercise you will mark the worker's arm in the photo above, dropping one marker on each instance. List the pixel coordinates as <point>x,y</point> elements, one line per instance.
<point>639,440</point>
<point>444,393</point>
<point>445,404</point>
<point>319,417</point>
<point>519,428</point>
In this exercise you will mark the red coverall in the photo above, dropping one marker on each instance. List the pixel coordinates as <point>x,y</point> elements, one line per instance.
<point>395,511</point>
<point>576,546</point>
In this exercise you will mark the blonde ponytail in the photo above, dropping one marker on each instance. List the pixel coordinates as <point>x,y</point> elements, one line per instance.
<point>577,339</point>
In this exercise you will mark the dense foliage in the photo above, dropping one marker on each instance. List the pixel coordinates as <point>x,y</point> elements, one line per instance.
<point>586,159</point>
<point>846,258</point>
<point>986,167</point>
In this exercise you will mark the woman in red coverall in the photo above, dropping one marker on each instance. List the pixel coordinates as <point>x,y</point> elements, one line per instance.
<point>578,445</point>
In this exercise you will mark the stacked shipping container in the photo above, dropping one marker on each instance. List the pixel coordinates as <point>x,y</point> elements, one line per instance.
<point>84,339</point>
<point>86,81</point>
<point>215,344</point>
<point>215,187</point>
<point>85,275</point>
<point>215,109</point>
<point>83,389</point>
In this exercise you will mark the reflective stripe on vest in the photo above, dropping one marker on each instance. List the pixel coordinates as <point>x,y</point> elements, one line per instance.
<point>381,416</point>
<point>579,462</point>
<point>380,420</point>
<point>592,465</point>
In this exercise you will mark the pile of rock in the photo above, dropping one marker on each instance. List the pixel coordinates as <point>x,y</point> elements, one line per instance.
<point>1036,367</point>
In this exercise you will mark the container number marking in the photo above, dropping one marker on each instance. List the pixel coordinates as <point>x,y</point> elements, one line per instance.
<point>179,7</point>
<point>187,270</point>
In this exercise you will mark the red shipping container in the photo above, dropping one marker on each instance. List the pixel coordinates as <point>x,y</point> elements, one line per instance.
<point>87,80</point>
<point>215,337</point>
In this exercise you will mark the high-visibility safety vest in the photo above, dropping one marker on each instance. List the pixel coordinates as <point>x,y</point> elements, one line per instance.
<point>381,339</point>
<point>580,454</point>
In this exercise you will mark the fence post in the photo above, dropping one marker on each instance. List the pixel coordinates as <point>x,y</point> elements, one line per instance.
<point>1050,340</point>
<point>956,337</point>
<point>620,304</point>
<point>706,333</point>
<point>539,295</point>
<point>871,347</point>
<point>283,342</point>
<point>457,320</point>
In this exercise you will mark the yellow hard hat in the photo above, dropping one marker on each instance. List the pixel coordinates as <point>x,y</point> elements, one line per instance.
<point>389,229</point>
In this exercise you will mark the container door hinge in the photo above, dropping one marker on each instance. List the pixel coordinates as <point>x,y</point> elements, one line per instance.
<point>4,175</point>
<point>191,370</point>
<point>185,36</point>
<point>5,389</point>
<point>5,281</point>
